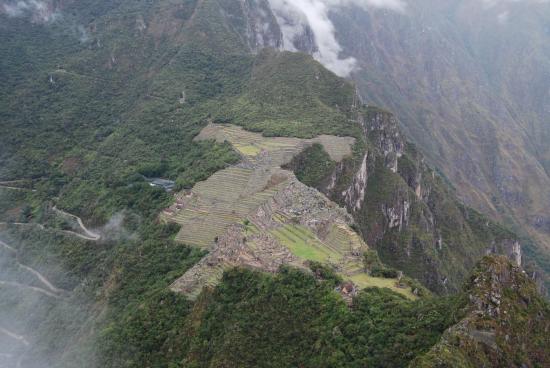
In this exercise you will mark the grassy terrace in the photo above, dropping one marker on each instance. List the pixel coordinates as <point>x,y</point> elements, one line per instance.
<point>227,197</point>
<point>364,281</point>
<point>279,149</point>
<point>231,195</point>
<point>304,244</point>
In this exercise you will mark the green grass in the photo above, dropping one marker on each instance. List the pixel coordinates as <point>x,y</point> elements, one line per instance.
<point>303,243</point>
<point>247,150</point>
<point>365,281</point>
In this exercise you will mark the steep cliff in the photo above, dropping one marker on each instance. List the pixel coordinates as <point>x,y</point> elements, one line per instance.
<point>469,82</point>
<point>406,210</point>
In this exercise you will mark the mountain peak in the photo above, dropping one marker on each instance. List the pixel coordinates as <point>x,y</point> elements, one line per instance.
<point>506,322</point>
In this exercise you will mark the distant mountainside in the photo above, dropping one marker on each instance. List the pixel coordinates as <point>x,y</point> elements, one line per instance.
<point>100,99</point>
<point>470,83</point>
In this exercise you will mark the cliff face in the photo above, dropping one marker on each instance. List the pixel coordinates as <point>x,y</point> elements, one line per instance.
<point>260,29</point>
<point>506,322</point>
<point>451,72</point>
<point>408,212</point>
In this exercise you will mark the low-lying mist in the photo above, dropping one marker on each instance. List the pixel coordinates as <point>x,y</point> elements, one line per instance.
<point>42,317</point>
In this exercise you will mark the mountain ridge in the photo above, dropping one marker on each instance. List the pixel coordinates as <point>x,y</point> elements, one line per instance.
<point>93,122</point>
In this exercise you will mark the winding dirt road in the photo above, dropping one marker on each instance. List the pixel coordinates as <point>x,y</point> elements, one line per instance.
<point>96,237</point>
<point>31,288</point>
<point>14,336</point>
<point>90,235</point>
<point>52,290</point>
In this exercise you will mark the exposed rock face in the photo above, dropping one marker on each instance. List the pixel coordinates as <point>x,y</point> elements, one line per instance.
<point>262,29</point>
<point>408,212</point>
<point>449,70</point>
<point>510,248</point>
<point>505,324</point>
<point>354,195</point>
<point>382,129</point>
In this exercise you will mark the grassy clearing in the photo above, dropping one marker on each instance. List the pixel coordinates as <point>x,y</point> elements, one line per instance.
<point>364,281</point>
<point>304,244</point>
<point>248,150</point>
<point>280,148</point>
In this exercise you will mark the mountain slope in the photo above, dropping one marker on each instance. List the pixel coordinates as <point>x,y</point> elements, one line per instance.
<point>406,210</point>
<point>469,83</point>
<point>504,312</point>
<point>110,96</point>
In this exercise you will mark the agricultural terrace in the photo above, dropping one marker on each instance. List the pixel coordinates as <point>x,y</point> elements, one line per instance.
<point>258,215</point>
<point>280,149</point>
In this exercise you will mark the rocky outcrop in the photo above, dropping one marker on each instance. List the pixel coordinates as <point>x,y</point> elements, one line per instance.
<point>262,29</point>
<point>354,195</point>
<point>408,212</point>
<point>509,247</point>
<point>505,323</point>
<point>382,129</point>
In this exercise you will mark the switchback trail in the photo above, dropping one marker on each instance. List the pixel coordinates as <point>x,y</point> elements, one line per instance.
<point>33,288</point>
<point>90,234</point>
<point>38,275</point>
<point>14,336</point>
<point>96,237</point>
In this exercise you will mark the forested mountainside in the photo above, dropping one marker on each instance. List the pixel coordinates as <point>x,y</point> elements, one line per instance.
<point>470,83</point>
<point>99,99</point>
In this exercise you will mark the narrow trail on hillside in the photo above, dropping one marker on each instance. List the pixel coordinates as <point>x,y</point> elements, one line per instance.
<point>16,188</point>
<point>90,235</point>
<point>14,336</point>
<point>90,77</point>
<point>37,274</point>
<point>12,184</point>
<point>96,237</point>
<point>30,288</point>
<point>22,340</point>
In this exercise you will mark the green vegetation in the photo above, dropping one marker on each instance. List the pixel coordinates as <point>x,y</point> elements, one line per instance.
<point>312,165</point>
<point>366,281</point>
<point>290,320</point>
<point>86,119</point>
<point>274,104</point>
<point>304,244</point>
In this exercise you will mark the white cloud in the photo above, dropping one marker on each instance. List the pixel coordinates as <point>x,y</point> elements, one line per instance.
<point>295,16</point>
<point>39,10</point>
<point>503,17</point>
<point>492,3</point>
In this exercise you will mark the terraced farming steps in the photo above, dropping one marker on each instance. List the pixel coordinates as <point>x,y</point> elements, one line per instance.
<point>258,215</point>
<point>280,150</point>
<point>226,198</point>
